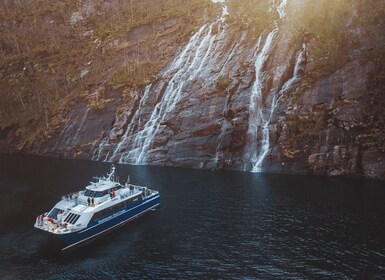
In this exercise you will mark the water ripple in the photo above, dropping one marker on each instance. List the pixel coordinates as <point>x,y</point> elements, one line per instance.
<point>211,225</point>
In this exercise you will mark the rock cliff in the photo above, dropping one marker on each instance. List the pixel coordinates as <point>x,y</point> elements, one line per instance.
<point>281,86</point>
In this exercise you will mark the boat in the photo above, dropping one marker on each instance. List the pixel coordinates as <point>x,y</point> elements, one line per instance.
<point>101,207</point>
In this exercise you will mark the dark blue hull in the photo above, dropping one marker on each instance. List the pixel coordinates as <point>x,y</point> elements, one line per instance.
<point>74,239</point>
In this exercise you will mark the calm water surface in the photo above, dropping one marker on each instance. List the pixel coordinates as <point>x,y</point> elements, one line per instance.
<point>211,225</point>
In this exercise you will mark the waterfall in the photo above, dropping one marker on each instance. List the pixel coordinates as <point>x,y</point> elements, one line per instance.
<point>297,70</point>
<point>261,118</point>
<point>299,61</point>
<point>281,9</point>
<point>129,129</point>
<point>258,134</point>
<point>258,121</point>
<point>146,132</point>
<point>104,146</point>
<point>187,66</point>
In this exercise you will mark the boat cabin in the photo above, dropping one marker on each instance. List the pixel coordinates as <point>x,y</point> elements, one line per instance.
<point>99,192</point>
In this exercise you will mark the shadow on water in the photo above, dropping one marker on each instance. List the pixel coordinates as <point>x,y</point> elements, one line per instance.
<point>210,225</point>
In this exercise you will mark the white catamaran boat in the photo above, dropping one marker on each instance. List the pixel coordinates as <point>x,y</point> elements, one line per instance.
<point>103,205</point>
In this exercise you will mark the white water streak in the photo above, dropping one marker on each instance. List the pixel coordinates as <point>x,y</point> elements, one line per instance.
<point>263,119</point>
<point>98,152</point>
<point>260,114</point>
<point>133,121</point>
<point>257,118</point>
<point>296,72</point>
<point>186,67</point>
<point>281,9</point>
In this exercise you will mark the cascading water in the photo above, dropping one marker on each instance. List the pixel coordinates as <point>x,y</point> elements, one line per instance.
<point>129,129</point>
<point>266,119</point>
<point>187,66</point>
<point>257,120</point>
<point>258,134</point>
<point>297,70</point>
<point>146,133</point>
<point>265,142</point>
<point>281,9</point>
<point>198,50</point>
<point>104,146</point>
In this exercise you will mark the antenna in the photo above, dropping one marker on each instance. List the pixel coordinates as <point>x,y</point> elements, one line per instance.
<point>111,173</point>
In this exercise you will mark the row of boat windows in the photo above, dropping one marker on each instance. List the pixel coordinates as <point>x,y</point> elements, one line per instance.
<point>100,194</point>
<point>72,218</point>
<point>114,208</point>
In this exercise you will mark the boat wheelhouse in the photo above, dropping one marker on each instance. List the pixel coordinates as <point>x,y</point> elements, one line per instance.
<point>102,206</point>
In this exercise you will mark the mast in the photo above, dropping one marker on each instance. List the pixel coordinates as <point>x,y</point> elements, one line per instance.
<point>110,176</point>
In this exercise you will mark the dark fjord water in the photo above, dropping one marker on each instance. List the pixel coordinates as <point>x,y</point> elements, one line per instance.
<point>211,225</point>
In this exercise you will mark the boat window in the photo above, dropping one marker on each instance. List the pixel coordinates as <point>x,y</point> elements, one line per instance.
<point>54,212</point>
<point>94,193</point>
<point>100,194</point>
<point>87,193</point>
<point>71,218</point>
<point>117,207</point>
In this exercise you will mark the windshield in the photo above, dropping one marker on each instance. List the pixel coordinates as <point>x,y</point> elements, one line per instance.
<point>94,193</point>
<point>54,212</point>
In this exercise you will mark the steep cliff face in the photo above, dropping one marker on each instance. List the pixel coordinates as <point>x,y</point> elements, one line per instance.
<point>287,86</point>
<point>332,121</point>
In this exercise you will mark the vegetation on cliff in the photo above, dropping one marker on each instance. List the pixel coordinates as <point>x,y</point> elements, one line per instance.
<point>54,54</point>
